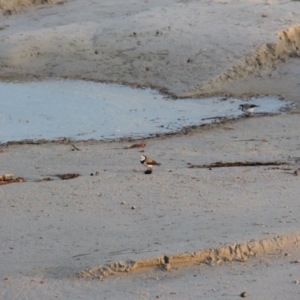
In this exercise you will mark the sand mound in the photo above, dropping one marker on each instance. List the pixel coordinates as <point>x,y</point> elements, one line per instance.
<point>289,43</point>
<point>265,56</point>
<point>8,7</point>
<point>235,252</point>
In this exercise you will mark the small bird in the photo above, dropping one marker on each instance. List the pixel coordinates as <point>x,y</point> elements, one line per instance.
<point>149,162</point>
<point>248,108</point>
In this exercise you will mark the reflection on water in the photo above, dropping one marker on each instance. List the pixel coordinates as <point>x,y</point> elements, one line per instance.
<point>83,110</point>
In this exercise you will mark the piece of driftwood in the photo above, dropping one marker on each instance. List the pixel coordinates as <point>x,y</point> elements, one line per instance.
<point>139,145</point>
<point>221,164</point>
<point>8,178</point>
<point>67,176</point>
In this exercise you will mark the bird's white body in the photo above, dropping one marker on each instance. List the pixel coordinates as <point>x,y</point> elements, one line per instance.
<point>248,108</point>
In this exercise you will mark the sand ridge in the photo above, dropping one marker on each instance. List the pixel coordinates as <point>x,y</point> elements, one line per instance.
<point>235,252</point>
<point>266,56</point>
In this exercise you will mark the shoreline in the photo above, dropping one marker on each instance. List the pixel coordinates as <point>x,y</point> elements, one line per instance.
<point>187,130</point>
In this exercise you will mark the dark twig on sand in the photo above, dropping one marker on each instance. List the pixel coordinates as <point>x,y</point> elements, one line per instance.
<point>216,117</point>
<point>67,176</point>
<point>75,148</point>
<point>221,164</point>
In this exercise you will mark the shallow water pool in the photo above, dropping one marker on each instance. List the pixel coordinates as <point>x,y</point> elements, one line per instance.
<point>82,110</point>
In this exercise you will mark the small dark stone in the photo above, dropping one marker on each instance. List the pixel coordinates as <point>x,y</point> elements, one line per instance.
<point>243,295</point>
<point>92,174</point>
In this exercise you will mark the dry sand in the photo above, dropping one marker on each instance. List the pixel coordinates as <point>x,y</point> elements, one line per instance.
<point>56,236</point>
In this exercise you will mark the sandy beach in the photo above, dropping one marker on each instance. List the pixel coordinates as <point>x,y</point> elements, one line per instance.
<point>182,232</point>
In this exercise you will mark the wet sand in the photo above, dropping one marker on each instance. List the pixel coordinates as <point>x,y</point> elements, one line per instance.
<point>53,230</point>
